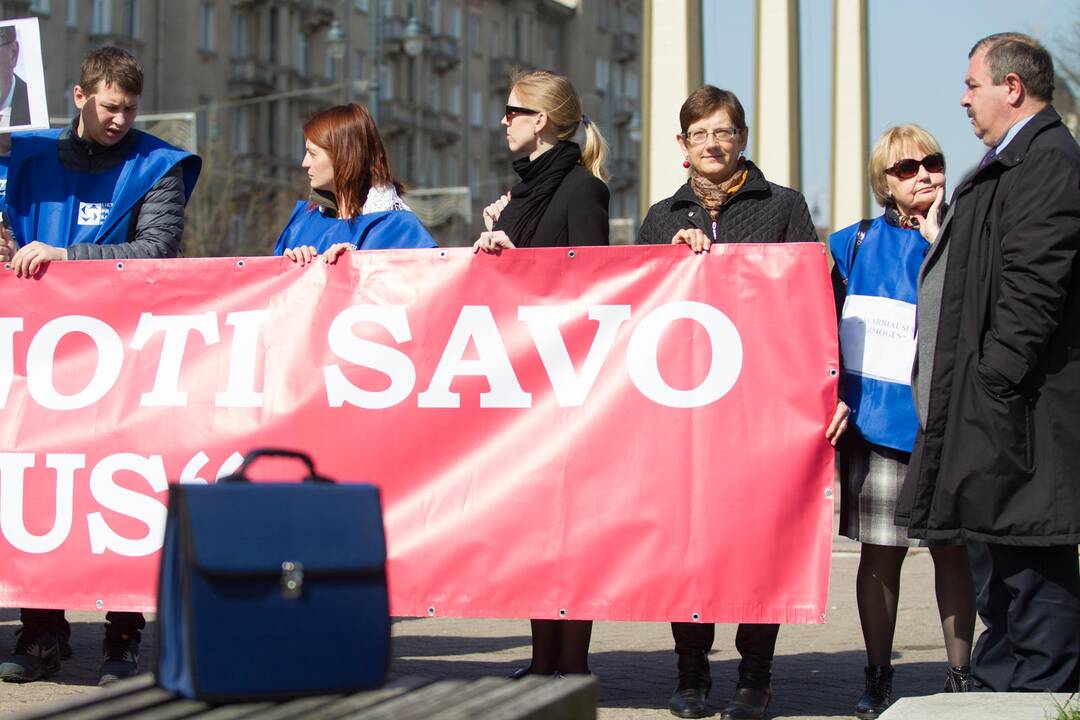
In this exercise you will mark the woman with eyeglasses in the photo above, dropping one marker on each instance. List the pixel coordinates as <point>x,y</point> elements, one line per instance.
<point>726,199</point>
<point>561,200</point>
<point>876,274</point>
<point>355,201</point>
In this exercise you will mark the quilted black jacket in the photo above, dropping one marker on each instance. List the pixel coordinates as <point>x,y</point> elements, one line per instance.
<point>759,212</point>
<point>158,218</point>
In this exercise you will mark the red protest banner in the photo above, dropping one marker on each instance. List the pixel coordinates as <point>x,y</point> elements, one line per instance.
<point>628,433</point>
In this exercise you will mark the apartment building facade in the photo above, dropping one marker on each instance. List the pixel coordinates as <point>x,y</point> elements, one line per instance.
<point>435,73</point>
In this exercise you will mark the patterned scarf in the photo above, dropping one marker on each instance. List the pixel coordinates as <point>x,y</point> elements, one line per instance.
<point>714,195</point>
<point>908,222</point>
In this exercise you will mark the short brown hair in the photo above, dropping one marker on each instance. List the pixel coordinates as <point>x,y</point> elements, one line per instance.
<point>889,148</point>
<point>705,101</point>
<point>111,65</point>
<point>1013,52</point>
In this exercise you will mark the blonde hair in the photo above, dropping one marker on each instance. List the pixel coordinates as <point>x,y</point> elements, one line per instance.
<point>554,95</point>
<point>889,148</point>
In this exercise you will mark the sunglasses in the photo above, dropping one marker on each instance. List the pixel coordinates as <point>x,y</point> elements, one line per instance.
<point>907,168</point>
<point>513,111</point>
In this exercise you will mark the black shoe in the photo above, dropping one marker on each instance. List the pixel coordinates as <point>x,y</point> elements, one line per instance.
<point>958,679</point>
<point>878,695</point>
<point>688,700</point>
<point>747,702</point>
<point>36,655</point>
<point>121,658</point>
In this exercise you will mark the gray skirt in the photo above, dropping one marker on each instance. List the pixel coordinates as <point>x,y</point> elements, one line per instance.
<point>870,480</point>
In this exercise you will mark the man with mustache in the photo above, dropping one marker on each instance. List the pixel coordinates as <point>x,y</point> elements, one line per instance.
<point>997,377</point>
<point>98,189</point>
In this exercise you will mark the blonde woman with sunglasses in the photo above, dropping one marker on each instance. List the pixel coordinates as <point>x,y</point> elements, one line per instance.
<point>876,276</point>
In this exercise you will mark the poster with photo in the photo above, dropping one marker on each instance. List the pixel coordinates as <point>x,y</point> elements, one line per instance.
<point>22,77</point>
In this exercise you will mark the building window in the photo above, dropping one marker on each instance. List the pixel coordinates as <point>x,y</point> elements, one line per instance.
<point>386,83</point>
<point>362,5</point>
<point>40,7</point>
<point>206,27</point>
<point>602,14</point>
<point>358,65</point>
<point>239,36</point>
<point>495,111</point>
<point>476,109</point>
<point>454,21</point>
<point>302,54</point>
<point>434,17</point>
<point>602,73</point>
<point>101,17</point>
<point>521,37</point>
<point>241,140</point>
<point>333,64</point>
<point>474,34</point>
<point>435,93</point>
<point>453,177</point>
<point>493,46</point>
<point>454,101</point>
<point>73,13</point>
<point>133,18</point>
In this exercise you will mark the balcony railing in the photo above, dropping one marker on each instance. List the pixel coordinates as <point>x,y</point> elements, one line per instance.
<point>623,171</point>
<point>625,46</point>
<point>444,52</point>
<point>250,76</point>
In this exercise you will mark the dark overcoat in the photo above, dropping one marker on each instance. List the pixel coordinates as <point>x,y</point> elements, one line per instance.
<point>998,456</point>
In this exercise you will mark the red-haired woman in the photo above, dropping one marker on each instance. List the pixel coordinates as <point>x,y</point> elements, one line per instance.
<point>355,201</point>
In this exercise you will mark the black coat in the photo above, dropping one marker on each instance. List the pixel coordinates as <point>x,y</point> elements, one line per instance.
<point>998,458</point>
<point>577,213</point>
<point>759,212</point>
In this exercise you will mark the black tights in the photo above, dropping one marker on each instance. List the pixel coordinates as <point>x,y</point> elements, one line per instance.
<point>878,590</point>
<point>560,646</point>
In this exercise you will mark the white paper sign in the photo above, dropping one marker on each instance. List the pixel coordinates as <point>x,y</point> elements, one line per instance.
<point>877,338</point>
<point>23,104</point>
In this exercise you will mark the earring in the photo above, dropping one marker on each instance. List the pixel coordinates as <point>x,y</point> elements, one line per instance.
<point>686,163</point>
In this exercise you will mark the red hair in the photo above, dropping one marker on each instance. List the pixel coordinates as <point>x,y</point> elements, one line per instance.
<point>349,136</point>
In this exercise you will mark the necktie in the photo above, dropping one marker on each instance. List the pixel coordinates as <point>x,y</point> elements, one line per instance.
<point>988,157</point>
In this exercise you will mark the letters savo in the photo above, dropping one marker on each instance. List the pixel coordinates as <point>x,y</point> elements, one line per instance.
<point>475,324</point>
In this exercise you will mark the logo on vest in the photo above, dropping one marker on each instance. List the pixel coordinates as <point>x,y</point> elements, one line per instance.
<point>3,187</point>
<point>94,213</point>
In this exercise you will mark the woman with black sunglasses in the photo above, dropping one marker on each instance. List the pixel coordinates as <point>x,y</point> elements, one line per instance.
<point>876,276</point>
<point>561,200</point>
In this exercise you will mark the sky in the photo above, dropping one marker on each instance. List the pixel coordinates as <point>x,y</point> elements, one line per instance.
<point>918,56</point>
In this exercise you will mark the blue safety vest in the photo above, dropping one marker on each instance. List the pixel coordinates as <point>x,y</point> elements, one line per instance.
<point>880,303</point>
<point>4,160</point>
<point>385,230</point>
<point>63,207</point>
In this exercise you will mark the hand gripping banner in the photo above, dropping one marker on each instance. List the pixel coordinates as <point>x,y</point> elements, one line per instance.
<point>625,433</point>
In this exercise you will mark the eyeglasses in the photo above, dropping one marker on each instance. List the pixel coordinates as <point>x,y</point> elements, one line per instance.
<point>513,111</point>
<point>698,137</point>
<point>907,168</point>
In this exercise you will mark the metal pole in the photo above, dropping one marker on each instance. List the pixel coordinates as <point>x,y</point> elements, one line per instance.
<point>346,61</point>
<point>376,59</point>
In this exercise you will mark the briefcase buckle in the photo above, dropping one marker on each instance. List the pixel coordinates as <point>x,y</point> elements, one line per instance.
<point>292,580</point>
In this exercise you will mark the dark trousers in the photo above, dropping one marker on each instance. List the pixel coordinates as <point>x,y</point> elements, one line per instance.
<point>119,623</point>
<point>755,643</point>
<point>1029,600</point>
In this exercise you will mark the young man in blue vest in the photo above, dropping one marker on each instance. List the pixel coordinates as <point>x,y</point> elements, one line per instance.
<point>97,189</point>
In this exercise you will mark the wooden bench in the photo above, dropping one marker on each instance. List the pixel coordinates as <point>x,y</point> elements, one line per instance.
<point>531,698</point>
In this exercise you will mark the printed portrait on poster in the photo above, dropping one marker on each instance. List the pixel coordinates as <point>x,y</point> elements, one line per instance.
<point>22,77</point>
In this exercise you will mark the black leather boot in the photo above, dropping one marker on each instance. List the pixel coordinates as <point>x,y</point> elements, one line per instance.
<point>958,679</point>
<point>878,695</point>
<point>751,699</point>
<point>688,700</point>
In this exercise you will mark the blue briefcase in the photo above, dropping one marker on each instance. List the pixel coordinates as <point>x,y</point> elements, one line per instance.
<point>272,590</point>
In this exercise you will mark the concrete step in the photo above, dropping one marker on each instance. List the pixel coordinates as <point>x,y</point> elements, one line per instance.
<point>982,705</point>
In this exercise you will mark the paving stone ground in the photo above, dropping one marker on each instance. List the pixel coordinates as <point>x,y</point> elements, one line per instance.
<point>817,672</point>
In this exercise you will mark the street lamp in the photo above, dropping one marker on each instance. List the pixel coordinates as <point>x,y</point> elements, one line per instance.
<point>414,38</point>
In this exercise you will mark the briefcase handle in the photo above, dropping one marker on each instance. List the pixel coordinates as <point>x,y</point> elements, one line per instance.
<point>241,472</point>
